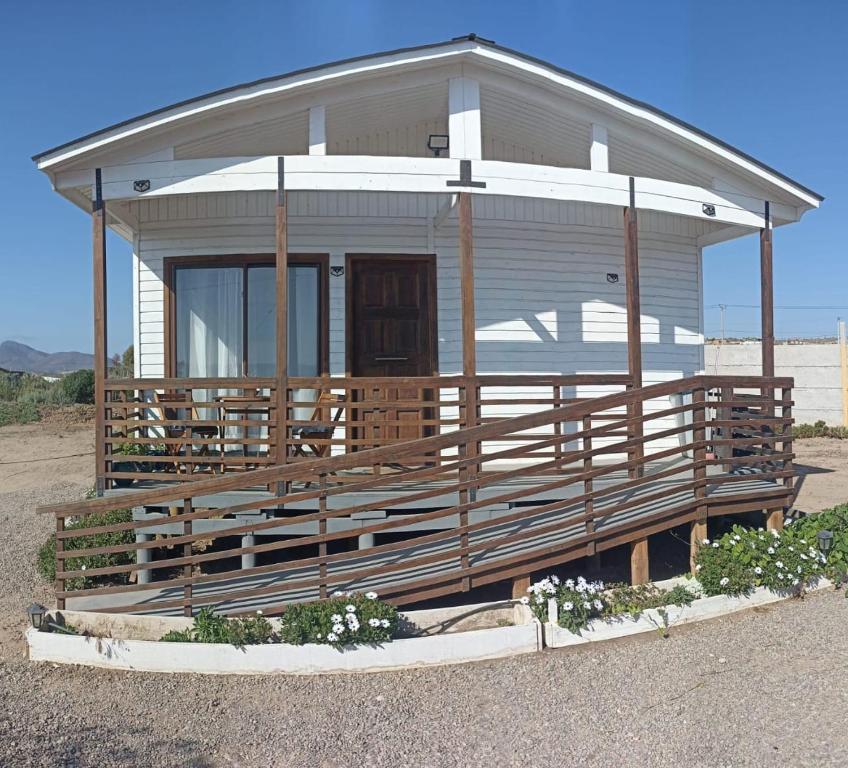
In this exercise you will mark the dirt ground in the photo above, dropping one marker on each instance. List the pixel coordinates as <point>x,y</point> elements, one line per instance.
<point>756,689</point>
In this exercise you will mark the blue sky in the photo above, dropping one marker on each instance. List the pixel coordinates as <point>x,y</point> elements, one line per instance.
<point>768,78</point>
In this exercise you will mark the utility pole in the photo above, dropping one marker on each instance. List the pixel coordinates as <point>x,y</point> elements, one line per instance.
<point>843,368</point>
<point>721,308</point>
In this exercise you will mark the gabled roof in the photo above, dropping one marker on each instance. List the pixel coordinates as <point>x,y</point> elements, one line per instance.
<point>468,44</point>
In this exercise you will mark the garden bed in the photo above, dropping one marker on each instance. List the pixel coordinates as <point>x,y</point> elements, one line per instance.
<point>131,643</point>
<point>653,620</point>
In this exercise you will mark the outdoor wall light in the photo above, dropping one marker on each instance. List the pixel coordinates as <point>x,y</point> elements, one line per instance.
<point>708,209</point>
<point>825,540</point>
<point>36,614</point>
<point>438,143</point>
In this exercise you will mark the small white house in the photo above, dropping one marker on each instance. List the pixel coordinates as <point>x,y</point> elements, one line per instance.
<point>459,233</point>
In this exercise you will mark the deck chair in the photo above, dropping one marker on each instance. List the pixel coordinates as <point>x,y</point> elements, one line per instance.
<point>175,431</point>
<point>318,431</point>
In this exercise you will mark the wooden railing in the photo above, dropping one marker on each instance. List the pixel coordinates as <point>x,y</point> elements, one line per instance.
<point>700,446</point>
<point>175,429</point>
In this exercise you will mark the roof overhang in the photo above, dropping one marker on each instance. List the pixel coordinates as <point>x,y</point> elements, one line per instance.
<point>468,48</point>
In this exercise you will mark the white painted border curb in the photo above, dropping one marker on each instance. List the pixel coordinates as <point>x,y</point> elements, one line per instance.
<point>279,658</point>
<point>701,609</point>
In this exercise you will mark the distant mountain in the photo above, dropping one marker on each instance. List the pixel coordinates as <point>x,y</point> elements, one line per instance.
<point>19,357</point>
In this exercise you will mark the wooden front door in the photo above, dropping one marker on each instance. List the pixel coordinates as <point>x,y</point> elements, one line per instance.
<point>392,334</point>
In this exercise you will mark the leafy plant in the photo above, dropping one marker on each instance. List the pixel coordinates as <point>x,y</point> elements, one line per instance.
<point>633,600</point>
<point>745,558</point>
<point>345,619</point>
<point>578,601</point>
<point>17,413</point>
<point>78,387</point>
<point>47,552</point>
<point>209,627</point>
<point>834,520</point>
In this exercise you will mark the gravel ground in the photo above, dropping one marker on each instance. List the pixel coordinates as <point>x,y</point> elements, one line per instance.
<point>763,688</point>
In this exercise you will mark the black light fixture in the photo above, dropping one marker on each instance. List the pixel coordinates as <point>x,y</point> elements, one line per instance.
<point>438,143</point>
<point>141,185</point>
<point>708,209</point>
<point>825,541</point>
<point>36,615</point>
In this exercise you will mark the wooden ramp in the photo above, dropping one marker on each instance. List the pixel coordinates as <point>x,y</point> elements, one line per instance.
<point>302,531</point>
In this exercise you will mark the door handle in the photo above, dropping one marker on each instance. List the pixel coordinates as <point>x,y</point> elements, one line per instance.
<point>390,359</point>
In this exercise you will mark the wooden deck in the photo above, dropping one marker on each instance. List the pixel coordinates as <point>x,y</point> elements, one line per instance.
<point>493,502</point>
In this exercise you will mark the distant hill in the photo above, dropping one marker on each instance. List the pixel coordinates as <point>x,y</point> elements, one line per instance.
<point>19,357</point>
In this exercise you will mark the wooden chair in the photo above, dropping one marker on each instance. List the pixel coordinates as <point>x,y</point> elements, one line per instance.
<point>169,412</point>
<point>318,431</point>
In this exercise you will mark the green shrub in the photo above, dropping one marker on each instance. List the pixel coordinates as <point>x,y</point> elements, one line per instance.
<point>745,558</point>
<point>633,600</point>
<point>209,627</point>
<point>819,429</point>
<point>578,601</point>
<point>17,413</point>
<point>47,552</point>
<point>78,387</point>
<point>344,619</point>
<point>834,520</point>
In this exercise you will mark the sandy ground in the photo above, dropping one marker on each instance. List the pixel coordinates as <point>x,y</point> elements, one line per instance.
<point>759,689</point>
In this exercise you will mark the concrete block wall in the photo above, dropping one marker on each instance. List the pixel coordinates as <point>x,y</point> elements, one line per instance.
<point>815,368</point>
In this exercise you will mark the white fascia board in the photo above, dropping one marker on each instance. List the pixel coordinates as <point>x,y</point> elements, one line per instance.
<point>322,76</point>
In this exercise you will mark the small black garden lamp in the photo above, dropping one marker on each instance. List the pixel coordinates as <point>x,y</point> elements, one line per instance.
<point>825,540</point>
<point>36,615</point>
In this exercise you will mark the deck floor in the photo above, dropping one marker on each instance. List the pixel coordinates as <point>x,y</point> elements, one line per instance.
<point>387,570</point>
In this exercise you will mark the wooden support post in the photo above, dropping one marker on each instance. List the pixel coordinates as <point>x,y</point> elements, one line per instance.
<point>322,531</point>
<point>59,583</point>
<point>698,531</point>
<point>282,284</point>
<point>774,519</point>
<point>639,548</point>
<point>520,585</point>
<point>767,295</point>
<point>786,445</point>
<point>639,571</point>
<point>187,590</point>
<point>98,221</point>
<point>469,361</point>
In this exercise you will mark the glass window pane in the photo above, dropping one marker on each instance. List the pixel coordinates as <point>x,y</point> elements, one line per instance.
<point>303,320</point>
<point>261,321</point>
<point>303,341</point>
<point>208,313</point>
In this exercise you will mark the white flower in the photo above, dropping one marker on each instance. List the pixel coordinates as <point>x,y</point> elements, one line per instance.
<point>587,605</point>
<point>761,529</point>
<point>373,622</point>
<point>384,623</point>
<point>779,563</point>
<point>82,567</point>
<point>802,556</point>
<point>350,608</point>
<point>799,569</point>
<point>555,579</point>
<point>371,595</point>
<point>569,583</point>
<point>724,581</point>
<point>539,599</point>
<point>338,628</point>
<point>318,636</point>
<point>737,537</point>
<point>332,637</point>
<point>598,605</point>
<point>259,613</point>
<point>567,605</point>
<point>336,618</point>
<point>791,549</point>
<point>758,570</point>
<point>781,575</point>
<point>770,550</point>
<point>775,533</point>
<point>698,567</point>
<point>524,601</point>
<point>338,593</point>
<point>705,542</point>
<point>715,545</point>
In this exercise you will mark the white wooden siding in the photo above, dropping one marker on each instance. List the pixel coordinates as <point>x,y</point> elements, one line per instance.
<point>543,299</point>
